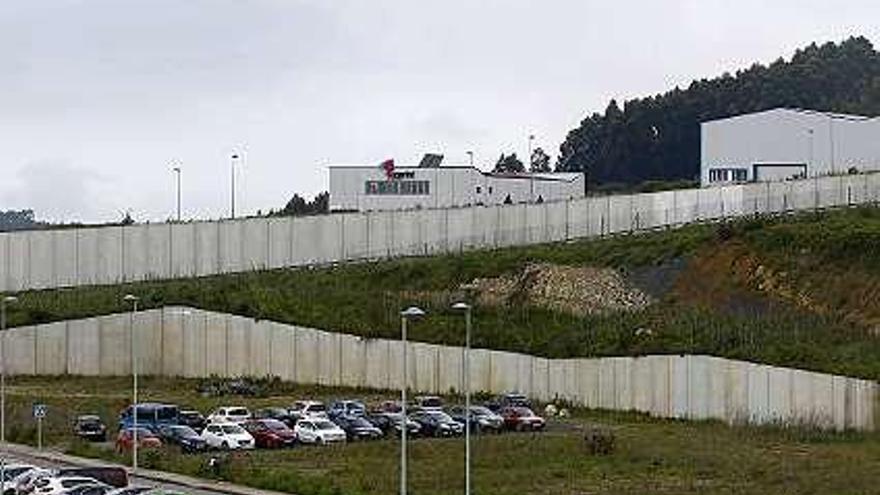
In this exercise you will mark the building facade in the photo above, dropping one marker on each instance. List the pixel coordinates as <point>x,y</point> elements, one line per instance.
<point>370,188</point>
<point>783,143</point>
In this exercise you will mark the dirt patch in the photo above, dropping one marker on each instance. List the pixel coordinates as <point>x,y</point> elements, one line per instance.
<point>577,290</point>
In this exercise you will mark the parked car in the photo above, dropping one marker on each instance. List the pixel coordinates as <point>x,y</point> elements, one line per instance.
<point>429,403</point>
<point>307,409</point>
<point>150,415</point>
<point>93,488</point>
<point>56,485</point>
<point>229,414</point>
<point>90,427</point>
<point>319,431</point>
<point>183,436</point>
<point>482,419</point>
<point>108,475</point>
<point>347,408</point>
<point>270,433</point>
<point>357,427</point>
<point>192,418</point>
<point>227,436</point>
<point>279,413</point>
<point>25,482</point>
<point>436,423</point>
<point>146,439</point>
<point>131,490</point>
<point>521,419</point>
<point>390,423</point>
<point>12,471</point>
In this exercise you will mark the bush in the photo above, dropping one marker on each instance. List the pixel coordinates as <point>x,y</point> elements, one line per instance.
<point>600,440</point>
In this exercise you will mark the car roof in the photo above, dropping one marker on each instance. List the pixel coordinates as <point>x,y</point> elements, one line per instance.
<point>89,417</point>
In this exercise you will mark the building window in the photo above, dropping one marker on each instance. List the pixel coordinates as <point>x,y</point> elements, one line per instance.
<point>479,189</point>
<point>397,187</point>
<point>490,189</point>
<point>728,175</point>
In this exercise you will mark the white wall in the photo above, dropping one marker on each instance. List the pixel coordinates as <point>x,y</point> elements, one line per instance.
<point>110,255</point>
<point>179,341</point>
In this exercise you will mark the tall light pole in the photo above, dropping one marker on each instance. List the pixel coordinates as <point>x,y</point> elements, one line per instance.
<point>133,300</point>
<point>3,303</point>
<point>232,162</point>
<point>177,171</point>
<point>405,316</point>
<point>531,174</point>
<point>466,363</point>
<point>470,155</point>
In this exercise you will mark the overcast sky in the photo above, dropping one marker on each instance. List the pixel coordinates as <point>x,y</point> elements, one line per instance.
<point>99,99</point>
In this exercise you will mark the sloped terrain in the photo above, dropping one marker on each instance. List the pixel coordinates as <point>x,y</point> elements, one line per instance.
<point>797,291</point>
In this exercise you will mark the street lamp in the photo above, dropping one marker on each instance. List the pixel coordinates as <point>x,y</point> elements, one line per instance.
<point>466,378</point>
<point>3,303</point>
<point>470,155</point>
<point>531,172</point>
<point>177,171</point>
<point>233,160</point>
<point>405,315</point>
<point>133,300</point>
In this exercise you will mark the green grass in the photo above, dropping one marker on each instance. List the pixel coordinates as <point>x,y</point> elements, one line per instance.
<point>652,456</point>
<point>365,298</point>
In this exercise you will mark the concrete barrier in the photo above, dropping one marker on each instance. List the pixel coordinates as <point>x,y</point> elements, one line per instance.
<point>179,341</point>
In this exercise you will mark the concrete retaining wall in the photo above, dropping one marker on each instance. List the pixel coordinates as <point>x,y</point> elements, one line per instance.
<point>179,341</point>
<point>109,255</point>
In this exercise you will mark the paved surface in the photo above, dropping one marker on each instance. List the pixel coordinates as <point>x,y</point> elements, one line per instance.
<point>144,477</point>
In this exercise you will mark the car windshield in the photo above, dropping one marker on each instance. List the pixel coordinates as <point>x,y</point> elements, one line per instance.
<point>75,482</point>
<point>90,423</point>
<point>359,422</point>
<point>274,424</point>
<point>237,411</point>
<point>190,414</point>
<point>431,402</point>
<point>317,408</point>
<point>183,431</point>
<point>232,429</point>
<point>439,415</point>
<point>141,432</point>
<point>480,410</point>
<point>523,411</point>
<point>325,425</point>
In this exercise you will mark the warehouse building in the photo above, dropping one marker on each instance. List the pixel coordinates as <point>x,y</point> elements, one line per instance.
<point>785,143</point>
<point>428,185</point>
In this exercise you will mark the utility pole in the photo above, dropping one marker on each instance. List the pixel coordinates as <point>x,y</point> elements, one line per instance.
<point>177,171</point>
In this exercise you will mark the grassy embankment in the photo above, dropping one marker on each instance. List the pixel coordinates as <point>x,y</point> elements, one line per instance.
<point>715,305</point>
<point>652,456</point>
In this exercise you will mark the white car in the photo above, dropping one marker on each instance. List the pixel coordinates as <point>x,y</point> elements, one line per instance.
<point>308,409</point>
<point>229,414</point>
<point>25,482</point>
<point>60,484</point>
<point>227,436</point>
<point>319,431</point>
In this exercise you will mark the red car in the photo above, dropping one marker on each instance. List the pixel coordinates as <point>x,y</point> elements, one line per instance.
<point>521,419</point>
<point>146,439</point>
<point>270,433</point>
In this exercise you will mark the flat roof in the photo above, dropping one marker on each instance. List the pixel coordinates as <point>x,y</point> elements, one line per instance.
<point>806,111</point>
<point>551,176</point>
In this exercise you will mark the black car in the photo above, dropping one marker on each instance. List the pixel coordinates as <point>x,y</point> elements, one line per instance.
<point>192,418</point>
<point>437,424</point>
<point>279,413</point>
<point>389,423</point>
<point>90,427</point>
<point>184,436</point>
<point>482,419</point>
<point>357,427</point>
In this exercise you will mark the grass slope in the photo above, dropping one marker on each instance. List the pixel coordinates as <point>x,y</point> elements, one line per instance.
<point>365,298</point>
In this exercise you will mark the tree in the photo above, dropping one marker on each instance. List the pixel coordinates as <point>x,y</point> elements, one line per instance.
<point>299,206</point>
<point>507,164</point>
<point>540,161</point>
<point>658,137</point>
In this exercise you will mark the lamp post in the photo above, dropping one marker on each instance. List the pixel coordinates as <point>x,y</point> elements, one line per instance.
<point>405,316</point>
<point>531,173</point>
<point>177,171</point>
<point>233,160</point>
<point>470,155</point>
<point>133,300</point>
<point>463,306</point>
<point>3,303</point>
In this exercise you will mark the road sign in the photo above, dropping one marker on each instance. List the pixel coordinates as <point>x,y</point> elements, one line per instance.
<point>40,411</point>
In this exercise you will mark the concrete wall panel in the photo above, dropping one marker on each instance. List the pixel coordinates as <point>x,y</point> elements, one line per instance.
<point>450,361</point>
<point>42,259</point>
<point>282,351</point>
<point>183,250</point>
<point>280,246</point>
<point>231,255</point>
<point>173,342</point>
<point>158,251</point>
<point>115,345</point>
<point>378,369</point>
<point>353,363</point>
<point>195,344</point>
<point>216,332</point>
<point>255,244</point>
<point>51,342</point>
<point>238,349</point>
<point>135,247</point>
<point>84,347</point>
<point>259,349</point>
<point>208,248</point>
<point>307,360</point>
<point>19,354</point>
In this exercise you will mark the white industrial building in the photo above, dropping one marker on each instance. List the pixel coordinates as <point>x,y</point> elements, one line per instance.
<point>784,143</point>
<point>371,188</point>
